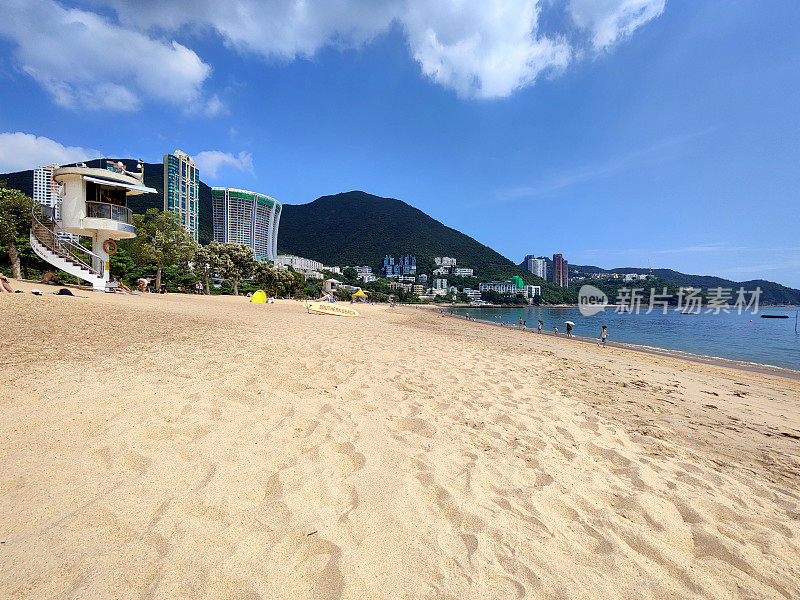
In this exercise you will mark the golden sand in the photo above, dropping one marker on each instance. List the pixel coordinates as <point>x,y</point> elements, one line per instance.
<point>194,447</point>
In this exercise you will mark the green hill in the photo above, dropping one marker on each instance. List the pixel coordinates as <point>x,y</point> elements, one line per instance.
<point>771,292</point>
<point>356,228</point>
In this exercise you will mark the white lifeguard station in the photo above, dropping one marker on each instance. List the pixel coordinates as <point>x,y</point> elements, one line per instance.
<point>92,202</point>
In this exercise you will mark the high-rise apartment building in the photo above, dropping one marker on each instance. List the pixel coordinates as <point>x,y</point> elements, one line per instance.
<point>560,271</point>
<point>247,218</point>
<point>45,190</point>
<point>405,265</point>
<point>408,265</point>
<point>182,190</point>
<point>537,266</point>
<point>389,268</point>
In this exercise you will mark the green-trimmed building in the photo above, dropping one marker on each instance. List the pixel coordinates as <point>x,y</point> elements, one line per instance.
<point>247,218</point>
<point>182,190</point>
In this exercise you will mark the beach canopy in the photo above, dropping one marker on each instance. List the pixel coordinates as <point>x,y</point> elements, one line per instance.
<point>570,323</point>
<point>259,297</point>
<point>359,294</point>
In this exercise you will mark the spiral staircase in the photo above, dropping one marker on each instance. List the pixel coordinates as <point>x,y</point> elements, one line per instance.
<point>56,247</point>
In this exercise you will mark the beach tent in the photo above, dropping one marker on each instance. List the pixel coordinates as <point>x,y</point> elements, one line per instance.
<point>359,294</point>
<point>259,297</point>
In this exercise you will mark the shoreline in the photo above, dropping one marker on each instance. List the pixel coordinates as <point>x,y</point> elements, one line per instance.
<point>656,351</point>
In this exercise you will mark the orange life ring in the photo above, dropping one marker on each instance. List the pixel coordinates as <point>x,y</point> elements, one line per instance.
<point>110,247</point>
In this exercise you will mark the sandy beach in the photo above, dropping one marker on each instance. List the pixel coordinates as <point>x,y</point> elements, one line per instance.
<point>204,447</point>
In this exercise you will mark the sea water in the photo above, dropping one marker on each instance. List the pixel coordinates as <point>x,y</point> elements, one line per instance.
<point>742,337</point>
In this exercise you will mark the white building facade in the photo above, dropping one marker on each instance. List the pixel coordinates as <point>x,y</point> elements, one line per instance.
<point>93,204</point>
<point>537,266</point>
<point>474,295</point>
<point>248,218</point>
<point>510,289</point>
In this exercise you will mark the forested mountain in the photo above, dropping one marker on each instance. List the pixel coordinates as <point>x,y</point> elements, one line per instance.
<point>771,292</point>
<point>356,228</point>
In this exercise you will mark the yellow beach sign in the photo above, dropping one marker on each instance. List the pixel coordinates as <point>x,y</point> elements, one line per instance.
<point>326,308</point>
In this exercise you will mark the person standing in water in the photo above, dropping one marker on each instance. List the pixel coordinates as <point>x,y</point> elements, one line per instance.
<point>603,336</point>
<point>569,330</point>
<point>540,326</point>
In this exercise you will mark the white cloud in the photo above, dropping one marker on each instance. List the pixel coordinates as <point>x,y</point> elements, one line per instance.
<point>210,161</point>
<point>281,28</point>
<point>483,49</point>
<point>214,107</point>
<point>85,61</point>
<point>21,151</point>
<point>479,48</point>
<point>611,20</point>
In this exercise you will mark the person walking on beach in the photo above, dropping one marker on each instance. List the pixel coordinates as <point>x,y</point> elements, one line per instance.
<point>603,336</point>
<point>540,325</point>
<point>555,330</point>
<point>520,322</point>
<point>569,330</point>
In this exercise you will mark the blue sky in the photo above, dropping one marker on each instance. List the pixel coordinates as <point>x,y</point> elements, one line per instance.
<point>613,131</point>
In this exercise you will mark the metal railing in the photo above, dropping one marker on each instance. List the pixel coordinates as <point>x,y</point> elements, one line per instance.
<point>48,233</point>
<point>104,210</point>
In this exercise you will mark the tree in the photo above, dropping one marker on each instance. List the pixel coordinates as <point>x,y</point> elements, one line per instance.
<point>349,274</point>
<point>492,296</point>
<point>207,261</point>
<point>239,262</point>
<point>162,240</point>
<point>266,277</point>
<point>293,282</point>
<point>15,218</point>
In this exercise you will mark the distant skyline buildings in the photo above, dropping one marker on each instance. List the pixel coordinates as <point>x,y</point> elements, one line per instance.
<point>560,271</point>
<point>182,190</point>
<point>405,265</point>
<point>537,266</point>
<point>248,218</point>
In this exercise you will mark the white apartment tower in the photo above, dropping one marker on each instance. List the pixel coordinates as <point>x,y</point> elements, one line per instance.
<point>45,190</point>
<point>537,266</point>
<point>248,218</point>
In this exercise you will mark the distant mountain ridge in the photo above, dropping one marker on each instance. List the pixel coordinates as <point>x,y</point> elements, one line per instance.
<point>774,292</point>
